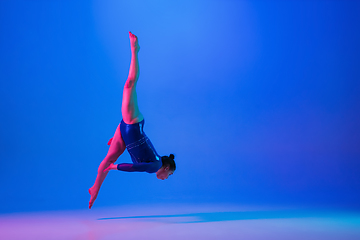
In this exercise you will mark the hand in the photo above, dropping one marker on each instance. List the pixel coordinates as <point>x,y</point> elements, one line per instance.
<point>111,167</point>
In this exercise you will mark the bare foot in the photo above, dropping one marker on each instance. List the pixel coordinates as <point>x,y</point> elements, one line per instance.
<point>93,194</point>
<point>134,44</point>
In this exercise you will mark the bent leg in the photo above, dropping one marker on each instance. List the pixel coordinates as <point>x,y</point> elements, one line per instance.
<point>117,147</point>
<point>130,109</point>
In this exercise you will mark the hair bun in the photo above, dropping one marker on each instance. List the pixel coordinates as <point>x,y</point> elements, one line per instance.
<point>172,156</point>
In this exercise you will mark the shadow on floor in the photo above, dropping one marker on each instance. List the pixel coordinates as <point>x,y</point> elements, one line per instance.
<point>224,216</point>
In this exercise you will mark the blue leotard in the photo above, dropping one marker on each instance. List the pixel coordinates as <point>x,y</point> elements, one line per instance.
<point>142,152</point>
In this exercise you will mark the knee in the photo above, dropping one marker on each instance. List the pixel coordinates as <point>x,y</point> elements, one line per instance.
<point>110,159</point>
<point>130,83</point>
<point>106,163</point>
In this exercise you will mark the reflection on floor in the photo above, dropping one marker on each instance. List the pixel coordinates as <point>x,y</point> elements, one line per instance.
<point>183,222</point>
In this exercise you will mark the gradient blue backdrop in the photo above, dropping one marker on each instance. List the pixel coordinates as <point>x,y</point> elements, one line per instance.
<point>259,101</point>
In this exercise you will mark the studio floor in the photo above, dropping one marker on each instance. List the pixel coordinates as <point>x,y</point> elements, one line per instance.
<point>183,222</point>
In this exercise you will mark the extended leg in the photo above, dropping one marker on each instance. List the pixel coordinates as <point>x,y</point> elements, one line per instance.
<point>117,147</point>
<point>130,109</point>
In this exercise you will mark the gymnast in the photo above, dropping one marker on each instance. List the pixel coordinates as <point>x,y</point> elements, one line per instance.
<point>130,135</point>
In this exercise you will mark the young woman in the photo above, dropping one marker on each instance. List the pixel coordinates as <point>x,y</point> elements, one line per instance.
<point>130,135</point>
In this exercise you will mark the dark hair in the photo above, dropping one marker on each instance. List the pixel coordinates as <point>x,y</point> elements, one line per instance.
<point>168,161</point>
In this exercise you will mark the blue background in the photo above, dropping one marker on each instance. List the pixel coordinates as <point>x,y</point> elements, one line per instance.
<point>259,101</point>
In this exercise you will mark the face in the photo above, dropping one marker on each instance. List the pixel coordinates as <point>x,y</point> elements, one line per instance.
<point>164,173</point>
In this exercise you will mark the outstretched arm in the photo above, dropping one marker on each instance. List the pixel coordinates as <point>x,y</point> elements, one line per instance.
<point>138,167</point>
